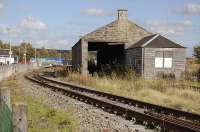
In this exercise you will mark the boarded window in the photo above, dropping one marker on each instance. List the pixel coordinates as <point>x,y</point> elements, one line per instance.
<point>158,62</point>
<point>168,55</point>
<point>163,59</point>
<point>167,62</point>
<point>159,59</point>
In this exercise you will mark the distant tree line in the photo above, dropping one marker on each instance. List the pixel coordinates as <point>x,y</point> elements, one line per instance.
<point>31,51</point>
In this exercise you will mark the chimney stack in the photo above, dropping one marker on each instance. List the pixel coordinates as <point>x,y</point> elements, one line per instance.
<point>122,14</point>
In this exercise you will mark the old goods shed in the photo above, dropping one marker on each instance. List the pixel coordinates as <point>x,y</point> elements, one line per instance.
<point>122,42</point>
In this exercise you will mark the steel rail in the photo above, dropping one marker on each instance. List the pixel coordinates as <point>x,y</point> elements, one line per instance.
<point>164,122</point>
<point>153,107</point>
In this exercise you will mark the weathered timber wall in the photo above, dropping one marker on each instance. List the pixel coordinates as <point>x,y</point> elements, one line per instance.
<point>134,59</point>
<point>178,62</point>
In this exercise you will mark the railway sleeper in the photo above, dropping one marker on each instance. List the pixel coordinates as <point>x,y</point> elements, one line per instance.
<point>138,116</point>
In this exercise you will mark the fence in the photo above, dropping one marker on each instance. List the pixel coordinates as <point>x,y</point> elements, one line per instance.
<point>7,70</point>
<point>12,118</point>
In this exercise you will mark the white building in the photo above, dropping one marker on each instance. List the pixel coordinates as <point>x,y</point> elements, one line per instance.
<point>6,56</point>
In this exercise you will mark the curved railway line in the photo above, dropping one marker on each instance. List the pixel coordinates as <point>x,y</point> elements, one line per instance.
<point>150,115</point>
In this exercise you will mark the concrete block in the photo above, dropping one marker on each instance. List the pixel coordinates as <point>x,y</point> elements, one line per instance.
<point>19,118</point>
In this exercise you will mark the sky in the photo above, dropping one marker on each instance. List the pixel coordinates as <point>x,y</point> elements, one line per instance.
<point>60,23</point>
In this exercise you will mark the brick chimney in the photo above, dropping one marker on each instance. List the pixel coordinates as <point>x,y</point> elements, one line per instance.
<point>122,14</point>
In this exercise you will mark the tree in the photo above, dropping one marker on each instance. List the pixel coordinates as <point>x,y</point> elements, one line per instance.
<point>197,53</point>
<point>20,50</point>
<point>44,52</point>
<point>53,53</point>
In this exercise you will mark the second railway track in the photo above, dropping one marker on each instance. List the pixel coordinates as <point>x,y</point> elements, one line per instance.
<point>151,115</point>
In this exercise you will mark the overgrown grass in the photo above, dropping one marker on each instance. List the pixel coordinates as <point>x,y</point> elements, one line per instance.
<point>161,92</point>
<point>40,117</point>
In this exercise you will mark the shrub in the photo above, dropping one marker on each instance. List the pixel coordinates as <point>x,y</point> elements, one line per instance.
<point>197,53</point>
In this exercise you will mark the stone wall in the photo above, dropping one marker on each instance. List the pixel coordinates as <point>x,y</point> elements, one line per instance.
<point>80,56</point>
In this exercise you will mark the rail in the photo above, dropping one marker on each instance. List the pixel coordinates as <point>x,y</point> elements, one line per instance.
<point>165,122</point>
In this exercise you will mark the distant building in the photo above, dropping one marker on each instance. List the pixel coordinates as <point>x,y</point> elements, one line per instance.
<point>6,57</point>
<point>125,43</point>
<point>51,61</point>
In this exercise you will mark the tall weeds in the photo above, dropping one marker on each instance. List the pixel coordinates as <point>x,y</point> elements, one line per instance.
<point>124,82</point>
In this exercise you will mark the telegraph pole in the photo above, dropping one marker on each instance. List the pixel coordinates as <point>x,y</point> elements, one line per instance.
<point>35,55</point>
<point>19,55</point>
<point>10,54</point>
<point>60,57</point>
<point>25,54</point>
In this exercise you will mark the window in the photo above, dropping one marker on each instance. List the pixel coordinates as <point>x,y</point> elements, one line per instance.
<point>167,62</point>
<point>158,62</point>
<point>168,59</point>
<point>163,59</point>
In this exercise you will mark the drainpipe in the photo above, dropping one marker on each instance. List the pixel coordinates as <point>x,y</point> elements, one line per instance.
<point>142,61</point>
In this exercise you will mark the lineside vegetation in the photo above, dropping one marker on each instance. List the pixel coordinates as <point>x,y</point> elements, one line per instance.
<point>166,92</point>
<point>41,118</point>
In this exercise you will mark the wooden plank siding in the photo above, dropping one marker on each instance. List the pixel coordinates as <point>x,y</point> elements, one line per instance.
<point>147,58</point>
<point>134,59</point>
<point>178,62</point>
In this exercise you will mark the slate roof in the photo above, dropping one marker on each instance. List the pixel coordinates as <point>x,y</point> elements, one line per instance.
<point>4,52</point>
<point>128,33</point>
<point>155,41</point>
<point>118,31</point>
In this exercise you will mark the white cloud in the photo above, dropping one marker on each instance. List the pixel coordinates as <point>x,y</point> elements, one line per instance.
<point>189,9</point>
<point>25,27</point>
<point>165,28</point>
<point>41,42</point>
<point>50,42</point>
<point>63,41</point>
<point>32,24</point>
<point>96,12</point>
<point>5,29</point>
<point>1,5</point>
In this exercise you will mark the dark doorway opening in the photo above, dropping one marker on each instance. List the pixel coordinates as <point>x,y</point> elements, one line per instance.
<point>102,54</point>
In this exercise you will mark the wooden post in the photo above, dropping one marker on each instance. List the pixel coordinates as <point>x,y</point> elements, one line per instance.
<point>19,118</point>
<point>5,96</point>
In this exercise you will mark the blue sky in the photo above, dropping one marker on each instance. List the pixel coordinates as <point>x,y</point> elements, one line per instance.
<point>59,23</point>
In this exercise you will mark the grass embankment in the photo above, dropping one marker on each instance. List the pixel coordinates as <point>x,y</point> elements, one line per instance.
<point>40,117</point>
<point>161,92</point>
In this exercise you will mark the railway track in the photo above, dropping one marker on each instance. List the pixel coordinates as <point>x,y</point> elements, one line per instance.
<point>150,115</point>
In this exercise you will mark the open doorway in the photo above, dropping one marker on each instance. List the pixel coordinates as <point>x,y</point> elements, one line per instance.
<point>102,54</point>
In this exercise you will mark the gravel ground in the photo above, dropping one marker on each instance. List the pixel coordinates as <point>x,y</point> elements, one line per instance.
<point>88,118</point>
